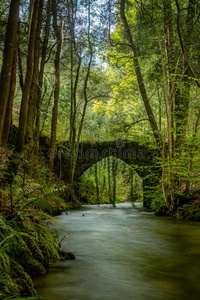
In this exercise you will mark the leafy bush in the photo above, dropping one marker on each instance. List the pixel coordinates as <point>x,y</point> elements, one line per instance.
<point>189,211</point>
<point>158,203</point>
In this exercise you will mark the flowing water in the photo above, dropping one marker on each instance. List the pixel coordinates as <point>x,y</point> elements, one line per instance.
<point>125,253</point>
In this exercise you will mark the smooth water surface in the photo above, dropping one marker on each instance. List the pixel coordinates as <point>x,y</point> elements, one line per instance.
<point>125,253</point>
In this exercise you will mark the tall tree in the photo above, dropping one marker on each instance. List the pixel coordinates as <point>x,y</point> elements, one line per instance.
<point>76,53</point>
<point>139,75</point>
<point>28,80</point>
<point>34,84</point>
<point>8,115</point>
<point>183,97</point>
<point>58,35</point>
<point>41,72</point>
<point>6,72</point>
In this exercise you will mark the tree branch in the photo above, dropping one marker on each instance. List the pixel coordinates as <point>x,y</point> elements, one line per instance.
<point>128,126</point>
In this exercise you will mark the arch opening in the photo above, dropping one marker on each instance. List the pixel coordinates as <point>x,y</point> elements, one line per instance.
<point>110,180</point>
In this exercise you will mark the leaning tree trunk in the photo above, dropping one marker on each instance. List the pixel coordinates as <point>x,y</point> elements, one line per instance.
<point>139,75</point>
<point>6,72</point>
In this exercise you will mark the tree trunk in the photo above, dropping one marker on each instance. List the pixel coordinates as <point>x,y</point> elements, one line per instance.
<point>97,183</point>
<point>34,83</point>
<point>8,116</point>
<point>29,74</point>
<point>109,179</point>
<point>192,149</point>
<point>20,69</point>
<point>114,177</point>
<point>41,73</point>
<point>182,101</point>
<point>170,187</point>
<point>131,181</point>
<point>57,30</point>
<point>139,75</point>
<point>6,71</point>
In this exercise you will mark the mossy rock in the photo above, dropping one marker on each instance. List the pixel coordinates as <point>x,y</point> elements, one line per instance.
<point>24,257</point>
<point>66,255</point>
<point>16,284</point>
<point>54,210</point>
<point>8,287</point>
<point>21,253</point>
<point>22,279</point>
<point>33,267</point>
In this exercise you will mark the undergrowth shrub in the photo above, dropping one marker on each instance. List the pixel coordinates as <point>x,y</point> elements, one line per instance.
<point>27,244</point>
<point>189,211</point>
<point>158,204</point>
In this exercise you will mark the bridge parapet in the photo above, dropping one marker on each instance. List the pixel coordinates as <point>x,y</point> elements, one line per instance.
<point>88,154</point>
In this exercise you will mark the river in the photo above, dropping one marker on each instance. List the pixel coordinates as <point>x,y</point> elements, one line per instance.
<point>125,253</point>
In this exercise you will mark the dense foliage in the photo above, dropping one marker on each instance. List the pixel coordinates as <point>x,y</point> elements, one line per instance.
<point>95,70</point>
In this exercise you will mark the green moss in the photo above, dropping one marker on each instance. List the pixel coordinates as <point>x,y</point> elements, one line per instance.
<point>33,267</point>
<point>16,284</point>
<point>21,253</point>
<point>66,255</point>
<point>8,287</point>
<point>22,279</point>
<point>33,247</point>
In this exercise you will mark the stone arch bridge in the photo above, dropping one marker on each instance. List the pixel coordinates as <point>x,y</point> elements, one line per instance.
<point>142,157</point>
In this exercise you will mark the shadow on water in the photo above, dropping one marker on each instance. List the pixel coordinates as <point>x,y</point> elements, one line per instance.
<point>125,253</point>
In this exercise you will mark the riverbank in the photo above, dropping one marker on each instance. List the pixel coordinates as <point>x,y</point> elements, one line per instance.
<point>28,247</point>
<point>189,211</point>
<point>29,241</point>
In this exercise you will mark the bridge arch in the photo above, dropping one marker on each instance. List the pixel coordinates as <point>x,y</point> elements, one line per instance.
<point>140,156</point>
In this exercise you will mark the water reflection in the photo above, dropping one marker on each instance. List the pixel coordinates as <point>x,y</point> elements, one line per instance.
<point>125,253</point>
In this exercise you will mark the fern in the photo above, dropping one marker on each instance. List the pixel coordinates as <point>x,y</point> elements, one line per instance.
<point>49,247</point>
<point>52,192</point>
<point>32,245</point>
<point>4,259</point>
